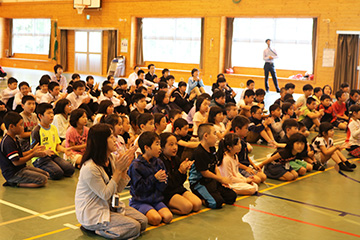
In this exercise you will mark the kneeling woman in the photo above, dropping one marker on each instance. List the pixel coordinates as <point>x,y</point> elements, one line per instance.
<point>101,177</point>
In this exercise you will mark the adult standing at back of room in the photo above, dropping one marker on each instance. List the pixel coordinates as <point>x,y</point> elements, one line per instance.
<point>269,55</point>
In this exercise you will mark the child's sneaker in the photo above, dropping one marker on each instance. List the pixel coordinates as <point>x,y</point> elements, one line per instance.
<point>350,165</point>
<point>343,167</point>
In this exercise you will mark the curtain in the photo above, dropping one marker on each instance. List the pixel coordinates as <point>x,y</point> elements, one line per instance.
<point>139,45</point>
<point>201,65</point>
<point>228,42</point>
<point>314,43</point>
<point>63,49</point>
<point>346,61</point>
<point>112,46</point>
<point>10,38</point>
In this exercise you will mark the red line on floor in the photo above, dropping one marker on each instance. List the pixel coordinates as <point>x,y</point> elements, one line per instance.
<point>299,221</point>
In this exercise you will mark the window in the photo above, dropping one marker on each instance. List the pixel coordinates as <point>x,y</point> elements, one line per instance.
<point>31,36</point>
<point>291,38</point>
<point>172,39</point>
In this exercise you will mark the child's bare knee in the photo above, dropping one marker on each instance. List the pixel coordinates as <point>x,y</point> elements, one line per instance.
<point>302,171</point>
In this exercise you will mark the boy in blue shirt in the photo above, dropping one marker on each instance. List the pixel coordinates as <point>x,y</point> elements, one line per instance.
<point>149,180</point>
<point>205,179</point>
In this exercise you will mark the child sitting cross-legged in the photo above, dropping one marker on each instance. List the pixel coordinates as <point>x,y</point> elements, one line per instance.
<point>309,115</point>
<point>229,147</point>
<point>179,200</point>
<point>149,180</point>
<point>205,179</point>
<point>13,159</point>
<point>278,166</point>
<point>46,134</point>
<point>329,113</point>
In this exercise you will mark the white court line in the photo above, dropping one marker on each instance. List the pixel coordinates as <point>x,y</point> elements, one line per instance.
<point>71,226</point>
<point>23,209</point>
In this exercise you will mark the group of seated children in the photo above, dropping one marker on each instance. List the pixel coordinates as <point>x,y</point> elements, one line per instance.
<point>151,124</point>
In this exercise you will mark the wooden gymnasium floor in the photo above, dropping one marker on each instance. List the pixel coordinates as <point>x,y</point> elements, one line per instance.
<point>319,205</point>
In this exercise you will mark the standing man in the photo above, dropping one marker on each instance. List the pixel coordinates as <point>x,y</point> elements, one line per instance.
<point>269,56</point>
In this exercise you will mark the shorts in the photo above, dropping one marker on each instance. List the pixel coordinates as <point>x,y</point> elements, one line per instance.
<point>167,197</point>
<point>145,207</point>
<point>297,164</point>
<point>276,171</point>
<point>28,175</point>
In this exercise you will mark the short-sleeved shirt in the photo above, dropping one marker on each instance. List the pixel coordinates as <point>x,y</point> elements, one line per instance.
<point>285,156</point>
<point>62,124</point>
<point>73,136</point>
<point>204,161</point>
<point>339,108</point>
<point>243,155</point>
<point>320,141</point>
<point>45,137</point>
<point>10,151</point>
<point>305,111</point>
<point>29,124</point>
<point>198,117</point>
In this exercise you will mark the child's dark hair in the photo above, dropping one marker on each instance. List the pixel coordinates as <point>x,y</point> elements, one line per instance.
<point>296,137</point>
<point>254,109</point>
<point>353,92</point>
<point>75,76</point>
<point>106,89</point>
<point>324,96</point>
<point>307,87</point>
<point>288,96</point>
<point>164,137</point>
<point>143,119</point>
<point>162,85</point>
<point>180,123</point>
<point>218,94</point>
<point>354,108</point>
<point>23,84</point>
<point>194,70</point>
<point>204,128</point>
<point>169,77</point>
<point>122,82</point>
<point>274,107</point>
<point>290,100</point>
<point>44,80</point>
<point>75,115</point>
<point>309,100</point>
<point>324,128</point>
<point>220,75</point>
<point>60,106</point>
<point>182,83</point>
<point>215,110</point>
<point>56,67</point>
<point>112,119</point>
<point>137,97</point>
<point>140,72</point>
<point>27,98</point>
<point>78,84</point>
<point>109,77</point>
<point>133,118</point>
<point>317,89</point>
<point>96,146</point>
<point>338,94</point>
<point>230,140</point>
<point>164,71</point>
<point>289,86</point>
<point>239,122</point>
<point>138,81</point>
<point>106,82</point>
<point>104,104</point>
<point>11,118</point>
<point>260,92</point>
<point>248,82</point>
<point>140,89</point>
<point>282,90</point>
<point>173,113</point>
<point>147,139</point>
<point>249,93</point>
<point>42,107</point>
<point>200,100</point>
<point>301,125</point>
<point>52,85</point>
<point>328,87</point>
<point>151,65</point>
<point>229,105</point>
<point>344,85</point>
<point>89,77</point>
<point>289,123</point>
<point>285,107</point>
<point>159,98</point>
<point>11,80</point>
<point>158,117</point>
